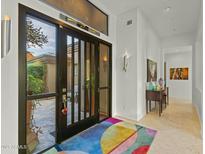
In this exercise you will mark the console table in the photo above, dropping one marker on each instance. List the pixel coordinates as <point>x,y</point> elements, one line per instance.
<point>157,96</point>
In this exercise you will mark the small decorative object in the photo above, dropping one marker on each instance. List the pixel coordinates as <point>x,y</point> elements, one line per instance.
<point>161,82</point>
<point>151,86</point>
<point>151,71</point>
<point>179,73</point>
<point>126,56</point>
<point>5,36</point>
<point>147,86</point>
<point>154,85</point>
<point>158,87</point>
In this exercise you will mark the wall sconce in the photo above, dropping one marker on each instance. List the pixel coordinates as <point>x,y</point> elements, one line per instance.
<point>5,35</point>
<point>126,56</point>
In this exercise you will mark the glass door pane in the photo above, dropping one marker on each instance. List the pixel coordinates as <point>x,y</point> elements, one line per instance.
<point>87,79</point>
<point>40,56</point>
<point>41,84</point>
<point>69,79</point>
<point>93,78</point>
<point>104,103</point>
<point>76,79</point>
<point>82,62</point>
<point>104,66</point>
<point>104,85</point>
<point>41,125</point>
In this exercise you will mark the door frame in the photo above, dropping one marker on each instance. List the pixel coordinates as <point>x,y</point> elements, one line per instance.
<point>22,81</point>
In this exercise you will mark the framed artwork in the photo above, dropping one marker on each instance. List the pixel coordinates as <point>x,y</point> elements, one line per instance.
<point>179,73</point>
<point>151,71</point>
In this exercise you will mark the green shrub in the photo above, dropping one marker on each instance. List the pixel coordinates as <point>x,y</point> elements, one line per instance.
<point>36,85</point>
<point>35,78</point>
<point>37,70</point>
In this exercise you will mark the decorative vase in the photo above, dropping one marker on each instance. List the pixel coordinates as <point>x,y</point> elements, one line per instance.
<point>150,86</point>
<point>160,82</point>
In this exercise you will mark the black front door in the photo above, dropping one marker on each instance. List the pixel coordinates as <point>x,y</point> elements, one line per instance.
<point>77,83</point>
<point>64,81</point>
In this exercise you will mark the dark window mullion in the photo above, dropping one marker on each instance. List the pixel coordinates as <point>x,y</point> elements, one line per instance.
<point>73,83</point>
<point>85,90</point>
<point>39,96</point>
<point>110,82</point>
<point>79,80</point>
<point>104,87</point>
<point>90,85</point>
<point>97,80</point>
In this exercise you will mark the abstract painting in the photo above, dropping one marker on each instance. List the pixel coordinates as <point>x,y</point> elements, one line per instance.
<point>151,71</point>
<point>179,73</point>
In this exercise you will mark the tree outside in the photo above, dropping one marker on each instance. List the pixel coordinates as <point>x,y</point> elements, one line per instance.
<point>35,72</point>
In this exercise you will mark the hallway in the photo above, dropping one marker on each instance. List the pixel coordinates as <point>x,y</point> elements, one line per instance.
<point>178,129</point>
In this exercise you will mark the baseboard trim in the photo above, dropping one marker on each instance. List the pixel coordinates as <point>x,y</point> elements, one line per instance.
<point>180,100</point>
<point>126,117</point>
<point>141,116</point>
<point>200,121</point>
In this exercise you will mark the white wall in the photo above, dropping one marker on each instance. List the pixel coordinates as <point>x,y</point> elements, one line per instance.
<point>179,89</point>
<point>126,82</point>
<point>141,42</point>
<point>197,92</point>
<point>148,47</point>
<point>9,80</point>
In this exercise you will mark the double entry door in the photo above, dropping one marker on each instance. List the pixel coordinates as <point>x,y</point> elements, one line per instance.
<point>64,81</point>
<point>83,82</point>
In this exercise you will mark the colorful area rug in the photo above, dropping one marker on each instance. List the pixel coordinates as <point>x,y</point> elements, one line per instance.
<point>112,136</point>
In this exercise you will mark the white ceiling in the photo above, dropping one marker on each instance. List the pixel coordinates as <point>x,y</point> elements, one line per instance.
<point>182,18</point>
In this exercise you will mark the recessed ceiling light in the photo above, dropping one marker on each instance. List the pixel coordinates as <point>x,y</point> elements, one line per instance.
<point>167,9</point>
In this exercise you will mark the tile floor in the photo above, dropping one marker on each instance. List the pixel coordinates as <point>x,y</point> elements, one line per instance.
<point>178,129</point>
